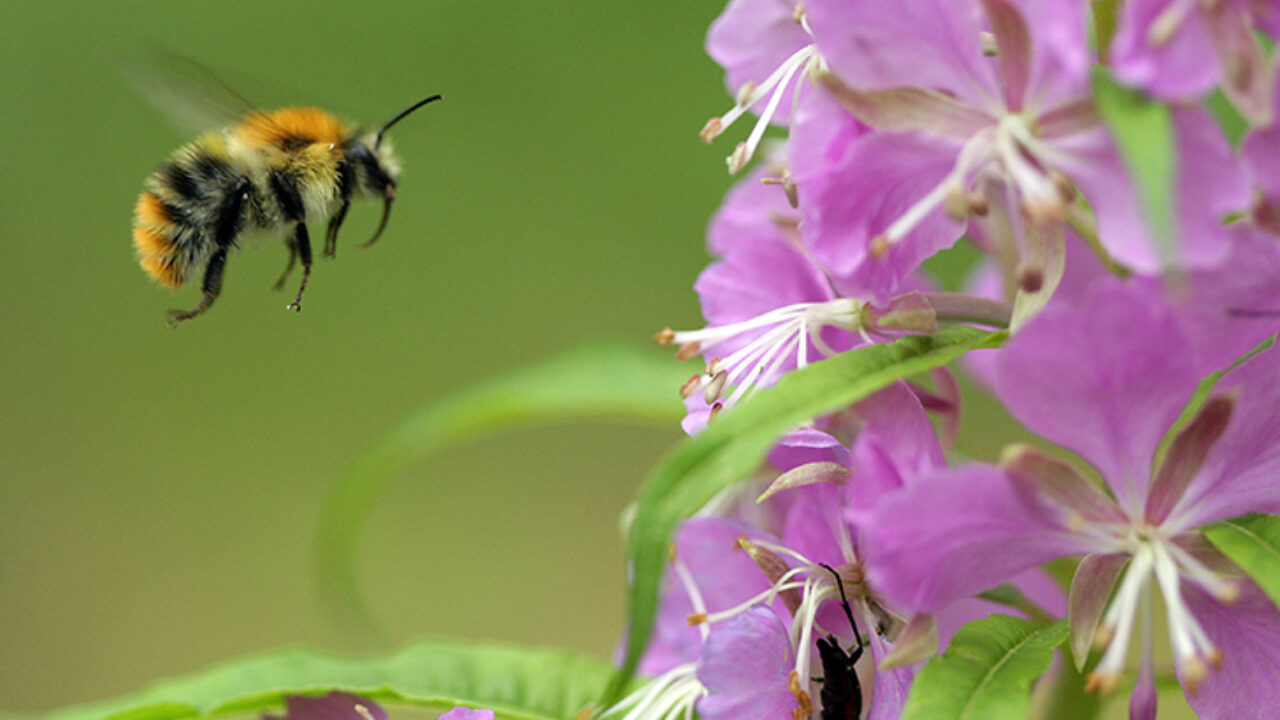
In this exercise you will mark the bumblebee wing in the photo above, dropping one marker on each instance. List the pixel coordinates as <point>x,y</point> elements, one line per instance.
<point>189,94</point>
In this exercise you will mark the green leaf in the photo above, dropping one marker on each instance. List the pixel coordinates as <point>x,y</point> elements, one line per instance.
<point>1232,123</point>
<point>1253,543</point>
<point>600,380</point>
<point>737,441</point>
<point>517,683</point>
<point>1143,131</point>
<point>986,672</point>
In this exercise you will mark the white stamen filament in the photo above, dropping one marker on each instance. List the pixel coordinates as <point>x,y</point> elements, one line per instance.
<point>976,152</point>
<point>1032,182</point>
<point>1119,617</point>
<point>1190,643</point>
<point>773,86</point>
<point>695,595</point>
<point>1224,589</point>
<point>670,695</point>
<point>795,326</point>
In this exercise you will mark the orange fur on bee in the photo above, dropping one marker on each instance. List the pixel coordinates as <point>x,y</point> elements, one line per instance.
<point>155,252</point>
<point>152,212</point>
<point>291,125</point>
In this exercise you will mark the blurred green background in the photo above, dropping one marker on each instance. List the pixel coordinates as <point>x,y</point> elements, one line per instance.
<point>160,489</point>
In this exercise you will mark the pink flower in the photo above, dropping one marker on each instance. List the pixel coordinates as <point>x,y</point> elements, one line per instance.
<point>1106,378</point>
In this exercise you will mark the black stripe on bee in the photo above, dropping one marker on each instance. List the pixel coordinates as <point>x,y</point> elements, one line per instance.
<point>182,182</point>
<point>286,192</point>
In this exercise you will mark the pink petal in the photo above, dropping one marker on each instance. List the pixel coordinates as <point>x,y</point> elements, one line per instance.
<point>1105,378</point>
<point>753,213</point>
<point>957,533</point>
<point>1183,68</point>
<point>725,576</point>
<point>745,669</point>
<point>879,44</point>
<point>1061,58</point>
<point>879,178</point>
<point>1240,474</point>
<point>461,713</point>
<point>1247,632</point>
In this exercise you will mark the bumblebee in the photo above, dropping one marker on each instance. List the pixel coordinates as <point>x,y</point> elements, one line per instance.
<point>270,171</point>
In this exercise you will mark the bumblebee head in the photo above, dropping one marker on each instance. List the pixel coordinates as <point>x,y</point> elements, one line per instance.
<point>374,168</point>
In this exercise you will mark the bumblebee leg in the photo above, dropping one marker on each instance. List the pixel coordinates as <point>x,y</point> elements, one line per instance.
<point>288,267</point>
<point>302,243</point>
<point>211,286</point>
<point>331,236</point>
<point>224,236</point>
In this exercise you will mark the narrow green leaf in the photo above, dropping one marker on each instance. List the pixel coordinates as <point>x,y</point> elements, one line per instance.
<point>737,441</point>
<point>1232,123</point>
<point>1253,543</point>
<point>517,683</point>
<point>1143,130</point>
<point>986,672</point>
<point>600,380</point>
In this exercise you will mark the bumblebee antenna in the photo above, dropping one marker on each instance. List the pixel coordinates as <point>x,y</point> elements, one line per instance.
<point>400,116</point>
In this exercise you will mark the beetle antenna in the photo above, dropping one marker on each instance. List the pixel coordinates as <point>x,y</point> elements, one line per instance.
<point>844,600</point>
<point>400,116</point>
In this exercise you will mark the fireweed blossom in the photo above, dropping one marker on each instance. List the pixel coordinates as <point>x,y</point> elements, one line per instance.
<point>980,115</point>
<point>1107,378</point>
<point>744,604</point>
<point>1178,50</point>
<point>771,309</point>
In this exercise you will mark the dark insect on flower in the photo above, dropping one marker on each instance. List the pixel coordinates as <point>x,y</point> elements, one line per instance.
<point>841,689</point>
<point>266,171</point>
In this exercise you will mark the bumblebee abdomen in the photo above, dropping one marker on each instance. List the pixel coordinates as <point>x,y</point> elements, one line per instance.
<point>178,216</point>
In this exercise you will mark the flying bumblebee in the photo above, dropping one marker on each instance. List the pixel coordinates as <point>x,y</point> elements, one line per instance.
<point>269,171</point>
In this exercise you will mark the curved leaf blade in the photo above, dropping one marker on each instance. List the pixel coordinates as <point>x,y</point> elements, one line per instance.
<point>1253,543</point>
<point>986,672</point>
<point>517,683</point>
<point>614,380</point>
<point>735,444</point>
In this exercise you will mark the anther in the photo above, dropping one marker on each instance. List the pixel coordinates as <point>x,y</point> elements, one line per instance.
<point>1066,190</point>
<point>746,93</point>
<point>688,350</point>
<point>690,386</point>
<point>879,246</point>
<point>1030,279</point>
<point>1100,682</point>
<point>715,410</point>
<point>665,336</point>
<point>713,128</point>
<point>978,205</point>
<point>738,158</point>
<point>957,202</point>
<point>695,619</point>
<point>715,386</point>
<point>803,699</point>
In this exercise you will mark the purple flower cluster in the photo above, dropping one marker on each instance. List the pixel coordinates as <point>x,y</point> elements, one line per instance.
<point>909,126</point>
